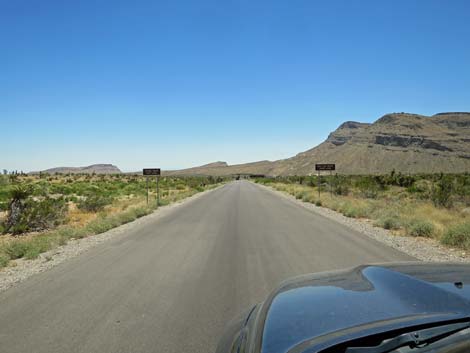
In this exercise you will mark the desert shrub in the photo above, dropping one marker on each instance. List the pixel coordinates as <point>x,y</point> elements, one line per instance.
<point>318,203</point>
<point>35,215</point>
<point>299,194</point>
<point>354,211</point>
<point>421,188</point>
<point>311,181</point>
<point>99,225</point>
<point>388,222</point>
<point>420,228</point>
<point>94,203</point>
<point>141,211</point>
<point>368,187</point>
<point>441,193</point>
<point>126,217</point>
<point>16,249</point>
<point>458,235</point>
<point>4,259</point>
<point>164,202</point>
<point>341,189</point>
<point>307,197</point>
<point>67,233</point>
<point>32,252</point>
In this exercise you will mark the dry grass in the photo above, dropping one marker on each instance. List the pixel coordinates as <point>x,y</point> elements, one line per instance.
<point>392,209</point>
<point>81,223</point>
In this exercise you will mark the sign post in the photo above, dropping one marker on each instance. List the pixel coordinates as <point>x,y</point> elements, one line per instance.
<point>147,190</point>
<point>158,192</point>
<point>156,172</point>
<point>320,167</point>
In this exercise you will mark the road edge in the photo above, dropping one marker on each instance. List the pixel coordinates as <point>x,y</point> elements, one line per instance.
<point>423,249</point>
<point>22,269</point>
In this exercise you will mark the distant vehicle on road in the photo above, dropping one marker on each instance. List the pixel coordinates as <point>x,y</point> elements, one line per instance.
<point>406,307</point>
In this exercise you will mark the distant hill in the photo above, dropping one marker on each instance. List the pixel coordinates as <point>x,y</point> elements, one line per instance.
<point>95,168</point>
<point>408,143</point>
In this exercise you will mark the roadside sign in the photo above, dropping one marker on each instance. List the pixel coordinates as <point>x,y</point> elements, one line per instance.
<point>148,172</point>
<point>329,166</point>
<point>324,166</point>
<point>151,171</point>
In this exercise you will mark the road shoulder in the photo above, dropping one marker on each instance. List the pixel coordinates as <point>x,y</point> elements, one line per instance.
<point>424,249</point>
<point>21,269</point>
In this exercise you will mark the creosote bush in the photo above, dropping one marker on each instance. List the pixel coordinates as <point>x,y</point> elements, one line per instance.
<point>4,259</point>
<point>94,203</point>
<point>389,222</point>
<point>458,235</point>
<point>441,193</point>
<point>420,228</point>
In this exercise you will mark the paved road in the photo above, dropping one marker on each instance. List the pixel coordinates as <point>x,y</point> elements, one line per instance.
<point>171,285</point>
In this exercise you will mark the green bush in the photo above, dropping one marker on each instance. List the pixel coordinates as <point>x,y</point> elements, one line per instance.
<point>4,259</point>
<point>388,222</point>
<point>353,211</point>
<point>16,249</point>
<point>94,203</point>
<point>368,187</point>
<point>164,202</point>
<point>441,193</point>
<point>458,235</point>
<point>420,228</point>
<point>141,211</point>
<point>66,233</point>
<point>32,253</point>
<point>99,225</point>
<point>341,185</point>
<point>318,203</point>
<point>32,215</point>
<point>307,197</point>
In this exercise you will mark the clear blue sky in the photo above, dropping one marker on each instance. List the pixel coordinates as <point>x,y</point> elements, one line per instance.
<point>175,84</point>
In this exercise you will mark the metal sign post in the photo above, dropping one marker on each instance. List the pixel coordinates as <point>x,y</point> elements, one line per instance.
<point>158,192</point>
<point>156,172</point>
<point>319,184</point>
<point>320,167</point>
<point>331,184</point>
<point>147,190</point>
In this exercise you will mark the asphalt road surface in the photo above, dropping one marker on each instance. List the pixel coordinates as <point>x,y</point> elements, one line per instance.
<point>171,285</point>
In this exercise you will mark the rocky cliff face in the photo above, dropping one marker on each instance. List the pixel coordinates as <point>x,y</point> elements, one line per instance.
<point>409,143</point>
<point>345,132</point>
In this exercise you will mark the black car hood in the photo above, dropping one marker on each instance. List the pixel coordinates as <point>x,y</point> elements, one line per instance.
<point>313,306</point>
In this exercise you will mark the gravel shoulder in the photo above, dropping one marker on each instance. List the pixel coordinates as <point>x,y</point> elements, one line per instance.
<point>21,269</point>
<point>423,249</point>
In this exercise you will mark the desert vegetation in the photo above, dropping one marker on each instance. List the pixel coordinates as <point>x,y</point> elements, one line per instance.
<point>429,205</point>
<point>40,212</point>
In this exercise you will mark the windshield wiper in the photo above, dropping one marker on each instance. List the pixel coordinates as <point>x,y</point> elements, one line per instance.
<point>412,339</point>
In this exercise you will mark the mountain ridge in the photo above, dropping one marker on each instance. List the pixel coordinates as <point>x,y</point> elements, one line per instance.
<point>404,142</point>
<point>102,168</point>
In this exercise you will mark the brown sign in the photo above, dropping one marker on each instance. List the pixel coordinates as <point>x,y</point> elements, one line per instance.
<point>325,166</point>
<point>151,171</point>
